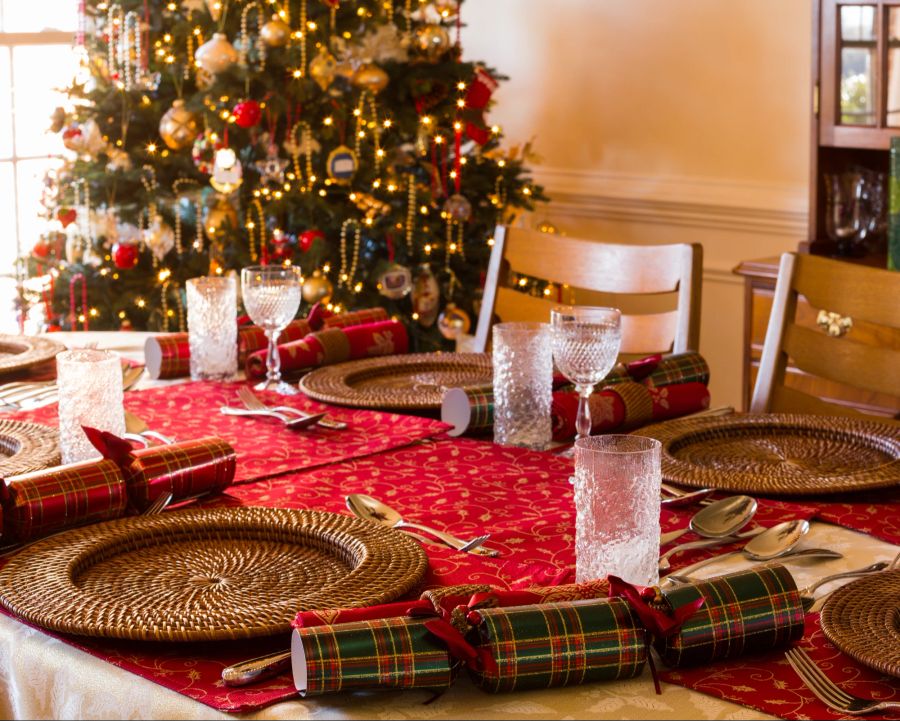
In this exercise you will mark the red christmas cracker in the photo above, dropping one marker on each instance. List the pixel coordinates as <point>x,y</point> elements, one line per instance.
<point>335,345</point>
<point>252,338</point>
<point>39,503</point>
<point>168,356</point>
<point>627,405</point>
<point>187,469</point>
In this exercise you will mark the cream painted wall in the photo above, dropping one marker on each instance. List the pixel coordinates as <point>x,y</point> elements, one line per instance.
<point>663,121</point>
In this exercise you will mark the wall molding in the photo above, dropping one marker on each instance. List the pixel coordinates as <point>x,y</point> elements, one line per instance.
<point>693,201</point>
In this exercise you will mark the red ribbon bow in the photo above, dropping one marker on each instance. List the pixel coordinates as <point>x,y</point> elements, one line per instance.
<point>476,659</point>
<point>110,445</point>
<point>658,624</point>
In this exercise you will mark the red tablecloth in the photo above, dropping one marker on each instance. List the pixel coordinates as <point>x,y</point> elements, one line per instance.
<point>464,486</point>
<point>264,446</point>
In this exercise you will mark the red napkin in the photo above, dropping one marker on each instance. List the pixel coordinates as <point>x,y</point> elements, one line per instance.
<point>335,345</point>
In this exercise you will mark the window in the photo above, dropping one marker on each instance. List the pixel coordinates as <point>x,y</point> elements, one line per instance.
<point>36,63</point>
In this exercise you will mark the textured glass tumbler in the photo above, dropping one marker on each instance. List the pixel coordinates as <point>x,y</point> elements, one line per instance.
<point>523,384</point>
<point>90,394</point>
<point>617,486</point>
<point>212,327</point>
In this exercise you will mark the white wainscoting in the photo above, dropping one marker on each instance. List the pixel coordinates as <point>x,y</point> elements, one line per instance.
<point>733,220</point>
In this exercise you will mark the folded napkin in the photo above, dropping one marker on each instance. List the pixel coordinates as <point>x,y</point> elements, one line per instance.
<point>42,502</point>
<point>564,636</point>
<point>334,345</point>
<point>471,411</point>
<point>186,469</point>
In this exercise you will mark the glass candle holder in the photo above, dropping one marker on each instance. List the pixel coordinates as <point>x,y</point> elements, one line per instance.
<point>90,394</point>
<point>523,384</point>
<point>212,327</point>
<point>617,485</point>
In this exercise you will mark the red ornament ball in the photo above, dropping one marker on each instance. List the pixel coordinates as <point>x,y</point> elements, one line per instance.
<point>41,249</point>
<point>247,113</point>
<point>306,239</point>
<point>125,255</point>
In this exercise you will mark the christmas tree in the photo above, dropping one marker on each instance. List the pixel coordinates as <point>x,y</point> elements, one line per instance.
<point>348,137</point>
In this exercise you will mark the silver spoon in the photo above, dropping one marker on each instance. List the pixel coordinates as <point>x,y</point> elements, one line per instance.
<point>370,509</point>
<point>775,542</point>
<point>717,520</point>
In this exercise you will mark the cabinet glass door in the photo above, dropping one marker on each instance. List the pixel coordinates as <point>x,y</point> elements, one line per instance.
<point>892,101</point>
<point>858,63</point>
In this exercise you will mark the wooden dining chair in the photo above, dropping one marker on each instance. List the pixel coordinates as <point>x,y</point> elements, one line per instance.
<point>851,337</point>
<point>657,287</point>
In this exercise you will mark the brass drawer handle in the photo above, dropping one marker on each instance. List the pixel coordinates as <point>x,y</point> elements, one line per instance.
<point>834,324</point>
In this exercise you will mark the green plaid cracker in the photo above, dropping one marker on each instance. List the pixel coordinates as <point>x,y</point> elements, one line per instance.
<point>561,644</point>
<point>384,653</point>
<point>745,612</point>
<point>687,367</point>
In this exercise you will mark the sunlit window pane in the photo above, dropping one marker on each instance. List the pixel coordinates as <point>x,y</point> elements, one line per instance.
<point>7,218</point>
<point>40,74</point>
<point>31,184</point>
<point>22,16</point>
<point>6,144</point>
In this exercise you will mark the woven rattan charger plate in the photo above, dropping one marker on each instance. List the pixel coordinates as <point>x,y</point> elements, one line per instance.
<point>863,620</point>
<point>27,447</point>
<point>402,382</point>
<point>207,574</point>
<point>22,351</point>
<point>779,453</point>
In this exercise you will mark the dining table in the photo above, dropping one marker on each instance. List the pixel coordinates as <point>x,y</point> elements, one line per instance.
<point>466,486</point>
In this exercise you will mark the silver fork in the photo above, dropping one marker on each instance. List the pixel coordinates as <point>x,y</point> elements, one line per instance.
<point>253,403</point>
<point>829,692</point>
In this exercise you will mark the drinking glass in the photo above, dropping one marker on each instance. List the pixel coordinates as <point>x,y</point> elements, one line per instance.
<point>90,394</point>
<point>617,486</point>
<point>586,343</point>
<point>212,327</point>
<point>523,384</point>
<point>272,297</point>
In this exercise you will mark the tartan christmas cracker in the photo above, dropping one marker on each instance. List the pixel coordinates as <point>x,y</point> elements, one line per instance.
<point>471,411</point>
<point>186,469</point>
<point>42,502</point>
<point>743,613</point>
<point>334,345</point>
<point>564,635</point>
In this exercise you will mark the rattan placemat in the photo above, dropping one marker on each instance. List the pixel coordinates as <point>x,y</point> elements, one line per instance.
<point>402,382</point>
<point>26,447</point>
<point>863,620</point>
<point>207,574</point>
<point>22,351</point>
<point>779,453</point>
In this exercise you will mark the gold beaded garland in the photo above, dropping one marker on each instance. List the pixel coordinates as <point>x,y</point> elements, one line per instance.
<point>345,275</point>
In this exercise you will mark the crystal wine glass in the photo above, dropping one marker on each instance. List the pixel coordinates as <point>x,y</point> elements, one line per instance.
<point>272,297</point>
<point>585,342</point>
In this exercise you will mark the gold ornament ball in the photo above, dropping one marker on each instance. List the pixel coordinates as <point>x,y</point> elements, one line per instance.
<point>446,8</point>
<point>178,127</point>
<point>219,217</point>
<point>275,33</point>
<point>370,77</point>
<point>458,207</point>
<point>322,68</point>
<point>453,322</point>
<point>432,41</point>
<point>317,288</point>
<point>216,55</point>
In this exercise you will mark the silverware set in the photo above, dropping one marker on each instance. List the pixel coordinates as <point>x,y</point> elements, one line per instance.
<point>292,418</point>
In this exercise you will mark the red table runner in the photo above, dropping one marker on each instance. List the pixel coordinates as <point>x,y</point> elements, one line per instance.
<point>521,497</point>
<point>264,446</point>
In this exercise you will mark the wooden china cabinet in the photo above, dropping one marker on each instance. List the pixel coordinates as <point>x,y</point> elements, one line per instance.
<point>855,111</point>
